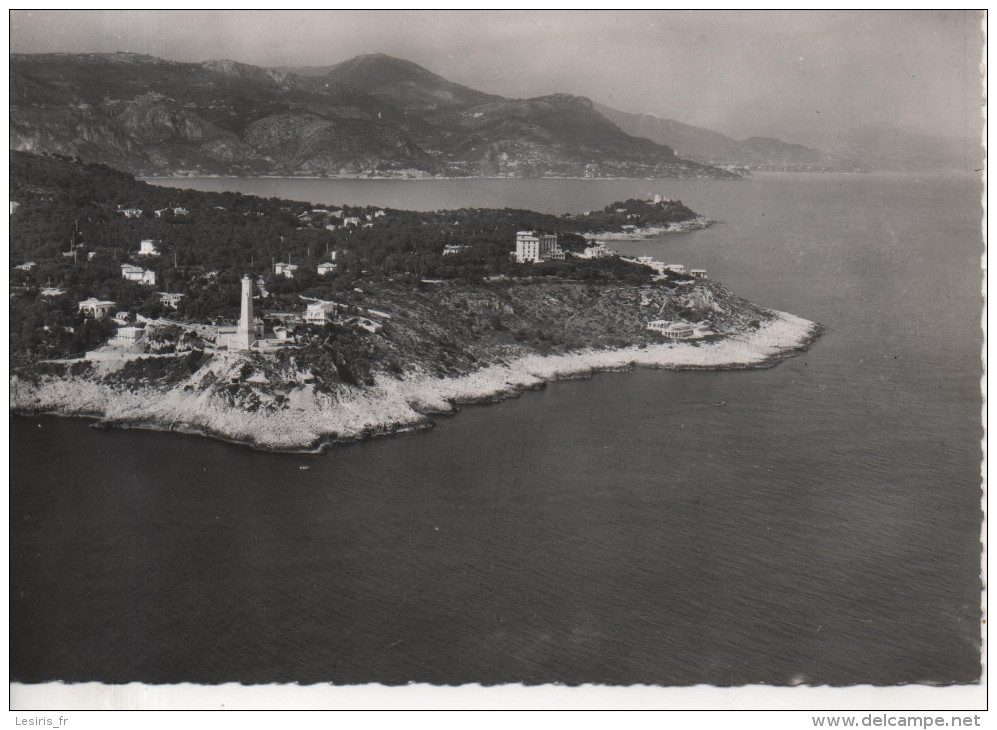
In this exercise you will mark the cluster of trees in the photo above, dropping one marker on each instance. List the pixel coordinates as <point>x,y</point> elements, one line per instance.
<point>40,329</point>
<point>67,207</point>
<point>636,212</point>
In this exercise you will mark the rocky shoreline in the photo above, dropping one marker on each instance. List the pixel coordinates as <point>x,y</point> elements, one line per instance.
<point>312,420</point>
<point>693,224</point>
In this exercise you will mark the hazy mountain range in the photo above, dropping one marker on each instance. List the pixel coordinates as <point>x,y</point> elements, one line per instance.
<point>375,114</point>
<point>371,114</point>
<point>714,148</point>
<point>855,149</point>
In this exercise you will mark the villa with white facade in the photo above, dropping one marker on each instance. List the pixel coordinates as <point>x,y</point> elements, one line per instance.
<point>127,336</point>
<point>147,247</point>
<point>319,313</point>
<point>96,308</point>
<point>532,248</point>
<point>170,299</point>
<point>285,270</point>
<point>137,274</point>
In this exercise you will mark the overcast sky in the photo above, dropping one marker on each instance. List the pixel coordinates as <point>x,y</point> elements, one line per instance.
<point>795,75</point>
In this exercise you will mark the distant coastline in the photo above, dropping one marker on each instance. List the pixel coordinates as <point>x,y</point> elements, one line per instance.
<point>402,178</point>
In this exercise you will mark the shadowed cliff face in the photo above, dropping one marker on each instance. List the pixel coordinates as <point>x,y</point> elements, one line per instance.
<point>373,114</point>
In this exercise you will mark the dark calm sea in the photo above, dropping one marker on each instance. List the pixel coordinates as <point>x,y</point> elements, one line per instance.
<point>821,527</point>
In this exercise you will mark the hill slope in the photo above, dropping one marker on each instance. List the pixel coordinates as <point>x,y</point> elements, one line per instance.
<point>371,115</point>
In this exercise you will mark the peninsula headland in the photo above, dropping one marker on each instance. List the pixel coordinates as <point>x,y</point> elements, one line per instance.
<point>289,326</point>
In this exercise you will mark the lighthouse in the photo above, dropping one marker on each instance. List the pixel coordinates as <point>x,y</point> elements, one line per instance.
<point>245,335</point>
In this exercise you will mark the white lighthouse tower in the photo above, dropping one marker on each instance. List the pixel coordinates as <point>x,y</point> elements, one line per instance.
<point>245,335</point>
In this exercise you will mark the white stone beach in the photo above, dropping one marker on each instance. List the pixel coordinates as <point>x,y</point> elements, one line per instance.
<point>311,419</point>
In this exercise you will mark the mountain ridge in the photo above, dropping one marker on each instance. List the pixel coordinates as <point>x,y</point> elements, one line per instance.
<point>714,148</point>
<point>370,115</point>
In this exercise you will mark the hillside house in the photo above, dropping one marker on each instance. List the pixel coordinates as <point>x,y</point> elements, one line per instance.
<point>698,273</point>
<point>170,299</point>
<point>320,313</point>
<point>26,266</point>
<point>130,272</point>
<point>147,247</point>
<point>96,308</point>
<point>127,336</point>
<point>286,270</point>
<point>325,268</point>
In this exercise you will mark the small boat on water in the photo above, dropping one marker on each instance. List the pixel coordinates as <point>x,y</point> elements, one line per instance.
<point>304,468</point>
<point>721,402</point>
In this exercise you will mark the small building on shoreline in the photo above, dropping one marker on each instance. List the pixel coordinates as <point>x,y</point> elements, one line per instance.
<point>597,250</point>
<point>679,329</point>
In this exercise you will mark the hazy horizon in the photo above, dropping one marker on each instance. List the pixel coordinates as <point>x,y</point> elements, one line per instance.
<point>801,76</point>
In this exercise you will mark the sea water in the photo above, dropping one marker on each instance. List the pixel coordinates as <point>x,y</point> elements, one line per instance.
<point>818,522</point>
